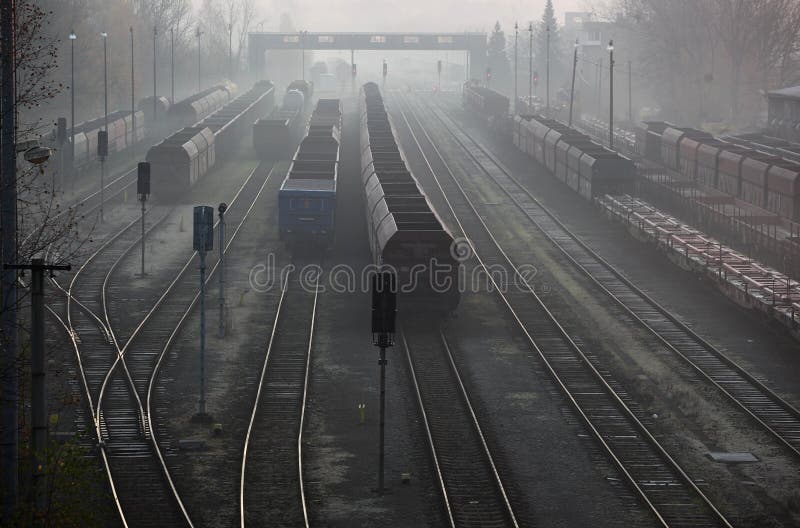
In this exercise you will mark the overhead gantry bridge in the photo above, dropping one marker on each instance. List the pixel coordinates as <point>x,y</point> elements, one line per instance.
<point>259,43</point>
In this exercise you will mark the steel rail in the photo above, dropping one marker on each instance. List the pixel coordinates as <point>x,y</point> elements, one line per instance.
<point>779,415</point>
<point>583,362</point>
<point>288,368</point>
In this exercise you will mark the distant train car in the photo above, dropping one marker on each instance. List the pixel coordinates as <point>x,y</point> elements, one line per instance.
<point>194,109</point>
<point>486,102</point>
<point>405,233</point>
<point>586,167</point>
<point>307,197</point>
<point>758,169</point>
<point>179,161</point>
<point>276,136</point>
<point>307,89</point>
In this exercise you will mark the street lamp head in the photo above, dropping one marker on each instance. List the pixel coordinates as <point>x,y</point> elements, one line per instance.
<point>576,43</point>
<point>516,26</point>
<point>610,45</point>
<point>530,27</point>
<point>37,155</point>
<point>222,208</point>
<point>72,35</point>
<point>104,34</point>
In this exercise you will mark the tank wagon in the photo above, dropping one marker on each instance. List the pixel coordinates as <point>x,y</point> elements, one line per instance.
<point>275,137</point>
<point>307,89</point>
<point>307,197</point>
<point>754,168</point>
<point>405,233</point>
<point>586,167</point>
<point>184,157</point>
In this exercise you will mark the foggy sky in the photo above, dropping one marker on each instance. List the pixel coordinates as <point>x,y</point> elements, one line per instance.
<point>410,15</point>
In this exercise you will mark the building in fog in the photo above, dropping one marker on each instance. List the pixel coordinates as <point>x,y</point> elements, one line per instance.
<point>783,112</point>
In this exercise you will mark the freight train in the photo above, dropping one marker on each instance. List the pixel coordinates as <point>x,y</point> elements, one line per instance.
<point>184,157</point>
<point>276,137</point>
<point>586,167</point>
<point>307,197</point>
<point>126,130</point>
<point>734,165</point>
<point>405,233</point>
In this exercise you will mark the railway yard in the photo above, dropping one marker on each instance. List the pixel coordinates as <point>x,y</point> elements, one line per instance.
<point>588,375</point>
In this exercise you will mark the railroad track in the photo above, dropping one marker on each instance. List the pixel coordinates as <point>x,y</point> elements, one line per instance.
<point>777,416</point>
<point>271,488</point>
<point>467,476</point>
<point>140,481</point>
<point>112,190</point>
<point>665,488</point>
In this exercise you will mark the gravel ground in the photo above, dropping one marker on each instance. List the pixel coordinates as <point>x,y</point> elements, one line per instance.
<point>751,494</point>
<point>505,378</point>
<point>341,457</point>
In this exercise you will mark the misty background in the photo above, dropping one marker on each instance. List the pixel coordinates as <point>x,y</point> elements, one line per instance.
<point>694,62</point>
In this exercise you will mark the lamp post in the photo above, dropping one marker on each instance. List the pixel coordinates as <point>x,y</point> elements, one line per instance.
<point>516,36</point>
<point>303,55</point>
<point>530,65</point>
<point>630,95</point>
<point>72,38</point>
<point>611,94</point>
<point>155,91</point>
<point>172,64</point>
<point>547,70</point>
<point>572,88</point>
<point>197,34</point>
<point>133,101</point>
<point>105,126</point>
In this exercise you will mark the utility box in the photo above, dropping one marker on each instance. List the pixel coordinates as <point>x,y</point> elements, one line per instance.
<point>203,228</point>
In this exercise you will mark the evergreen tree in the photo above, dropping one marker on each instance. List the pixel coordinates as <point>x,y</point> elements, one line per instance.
<point>498,60</point>
<point>548,21</point>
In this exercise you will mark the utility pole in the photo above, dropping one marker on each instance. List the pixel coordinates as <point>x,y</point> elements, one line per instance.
<point>303,55</point>
<point>133,101</point>
<point>203,241</point>
<point>572,88</point>
<point>72,38</point>
<point>547,70</point>
<point>384,309</point>
<point>230,51</point>
<point>530,66</point>
<point>105,126</point>
<point>630,95</point>
<point>172,64</point>
<point>611,94</point>
<point>155,91</point>
<point>38,384</point>
<point>143,190</point>
<point>385,73</point>
<point>199,78</point>
<point>8,215</point>
<point>516,36</point>
<point>222,208</point>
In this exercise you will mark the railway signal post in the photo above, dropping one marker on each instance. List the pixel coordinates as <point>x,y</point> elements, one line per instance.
<point>384,310</point>
<point>222,208</point>
<point>203,242</point>
<point>38,386</point>
<point>143,190</point>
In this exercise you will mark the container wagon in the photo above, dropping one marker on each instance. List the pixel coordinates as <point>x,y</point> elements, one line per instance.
<point>307,197</point>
